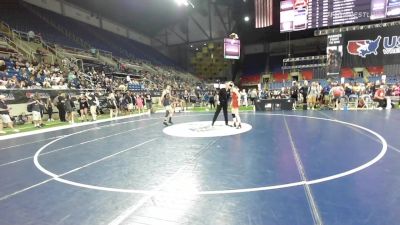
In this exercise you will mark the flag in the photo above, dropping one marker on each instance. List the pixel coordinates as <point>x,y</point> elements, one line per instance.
<point>264,13</point>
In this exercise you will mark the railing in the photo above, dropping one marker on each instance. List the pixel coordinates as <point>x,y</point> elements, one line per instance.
<point>105,53</point>
<point>30,55</point>
<point>2,53</point>
<point>26,48</point>
<point>5,27</point>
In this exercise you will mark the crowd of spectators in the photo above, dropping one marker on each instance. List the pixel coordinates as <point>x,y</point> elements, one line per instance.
<point>335,95</point>
<point>100,91</point>
<point>18,73</point>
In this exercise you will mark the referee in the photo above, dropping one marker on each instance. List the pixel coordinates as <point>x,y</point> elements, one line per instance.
<point>222,102</point>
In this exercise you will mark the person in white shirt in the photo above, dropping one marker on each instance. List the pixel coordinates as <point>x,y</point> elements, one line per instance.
<point>312,95</point>
<point>244,98</point>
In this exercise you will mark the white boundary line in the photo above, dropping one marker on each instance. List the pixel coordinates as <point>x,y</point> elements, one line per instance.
<point>310,197</point>
<point>71,146</point>
<point>56,177</point>
<point>61,137</point>
<point>55,150</point>
<point>231,191</point>
<point>206,130</point>
<point>128,212</point>
<point>28,143</point>
<point>369,136</point>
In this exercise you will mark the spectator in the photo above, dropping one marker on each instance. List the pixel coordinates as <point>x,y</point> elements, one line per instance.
<point>149,101</point>
<point>69,107</point>
<point>139,103</point>
<point>59,102</point>
<point>92,101</point>
<point>129,99</point>
<point>112,105</point>
<point>294,94</point>
<point>5,115</point>
<point>36,104</point>
<point>379,97</point>
<point>336,92</point>
<point>212,100</point>
<point>243,95</point>
<point>312,95</point>
<point>253,96</point>
<point>2,85</point>
<point>49,108</point>
<point>304,91</point>
<point>83,107</point>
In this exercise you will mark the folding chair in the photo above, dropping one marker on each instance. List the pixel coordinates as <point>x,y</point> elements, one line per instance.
<point>368,102</point>
<point>343,102</point>
<point>353,102</point>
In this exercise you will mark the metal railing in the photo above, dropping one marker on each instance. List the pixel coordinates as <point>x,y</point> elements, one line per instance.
<point>29,54</point>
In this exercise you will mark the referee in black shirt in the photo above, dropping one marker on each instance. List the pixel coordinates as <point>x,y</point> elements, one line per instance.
<point>222,102</point>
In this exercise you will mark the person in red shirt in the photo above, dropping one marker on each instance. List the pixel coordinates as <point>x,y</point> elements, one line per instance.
<point>235,103</point>
<point>380,97</point>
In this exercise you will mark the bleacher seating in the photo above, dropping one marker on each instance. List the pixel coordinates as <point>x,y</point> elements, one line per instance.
<point>19,18</point>
<point>101,39</point>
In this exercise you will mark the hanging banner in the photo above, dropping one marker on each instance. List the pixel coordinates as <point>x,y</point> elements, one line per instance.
<point>334,52</point>
<point>372,47</point>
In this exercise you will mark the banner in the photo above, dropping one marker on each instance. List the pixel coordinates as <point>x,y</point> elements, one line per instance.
<point>372,47</point>
<point>334,52</point>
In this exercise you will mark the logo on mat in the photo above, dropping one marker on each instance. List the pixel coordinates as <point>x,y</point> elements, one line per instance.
<point>363,48</point>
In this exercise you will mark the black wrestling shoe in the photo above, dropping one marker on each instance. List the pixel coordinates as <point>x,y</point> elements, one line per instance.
<point>165,123</point>
<point>239,126</point>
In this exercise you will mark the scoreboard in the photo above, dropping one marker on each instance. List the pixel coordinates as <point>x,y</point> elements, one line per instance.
<point>308,14</point>
<point>231,48</point>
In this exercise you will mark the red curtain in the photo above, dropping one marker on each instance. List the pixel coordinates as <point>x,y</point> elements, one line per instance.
<point>250,80</point>
<point>279,77</point>
<point>375,69</point>
<point>347,73</point>
<point>308,74</point>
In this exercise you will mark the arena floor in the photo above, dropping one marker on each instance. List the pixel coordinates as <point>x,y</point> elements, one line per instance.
<point>314,167</point>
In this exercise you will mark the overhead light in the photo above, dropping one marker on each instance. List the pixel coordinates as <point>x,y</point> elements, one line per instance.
<point>205,44</point>
<point>246,18</point>
<point>184,3</point>
<point>197,49</point>
<point>191,46</point>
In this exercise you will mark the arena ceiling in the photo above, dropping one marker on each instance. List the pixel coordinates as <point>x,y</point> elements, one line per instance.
<point>146,16</point>
<point>151,16</point>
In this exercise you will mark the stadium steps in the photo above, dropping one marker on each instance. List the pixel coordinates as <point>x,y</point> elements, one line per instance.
<point>58,27</point>
<point>109,61</point>
<point>149,68</point>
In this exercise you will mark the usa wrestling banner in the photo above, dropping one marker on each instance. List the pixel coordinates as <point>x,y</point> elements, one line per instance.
<point>372,47</point>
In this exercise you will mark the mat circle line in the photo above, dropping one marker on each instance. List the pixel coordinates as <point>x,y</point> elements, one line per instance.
<point>229,191</point>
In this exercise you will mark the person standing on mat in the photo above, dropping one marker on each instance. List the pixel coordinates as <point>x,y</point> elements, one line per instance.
<point>222,103</point>
<point>235,103</point>
<point>166,102</point>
